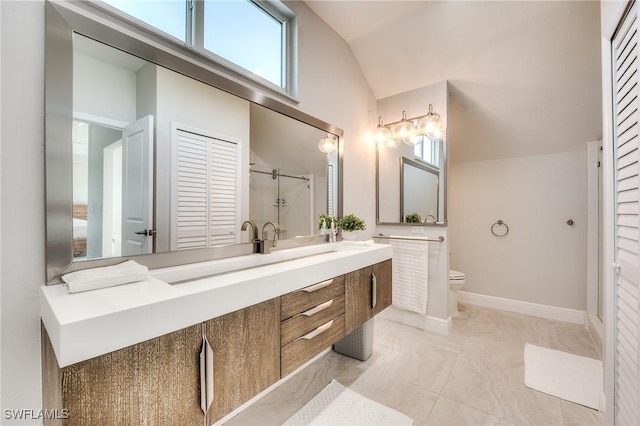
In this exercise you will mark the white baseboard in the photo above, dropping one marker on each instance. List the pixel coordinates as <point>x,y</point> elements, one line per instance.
<point>436,325</point>
<point>545,311</point>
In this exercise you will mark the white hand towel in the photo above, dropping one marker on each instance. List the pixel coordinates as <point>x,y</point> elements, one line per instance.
<point>107,276</point>
<point>410,275</point>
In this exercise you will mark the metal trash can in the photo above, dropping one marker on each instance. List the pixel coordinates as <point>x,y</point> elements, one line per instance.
<point>358,344</point>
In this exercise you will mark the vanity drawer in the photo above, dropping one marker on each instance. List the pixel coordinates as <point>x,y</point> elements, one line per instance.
<point>310,319</point>
<point>312,296</point>
<point>309,345</point>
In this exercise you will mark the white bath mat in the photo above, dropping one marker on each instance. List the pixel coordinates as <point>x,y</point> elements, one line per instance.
<point>337,405</point>
<point>571,377</point>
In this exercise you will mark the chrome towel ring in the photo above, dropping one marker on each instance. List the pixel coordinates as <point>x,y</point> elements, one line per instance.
<point>496,231</point>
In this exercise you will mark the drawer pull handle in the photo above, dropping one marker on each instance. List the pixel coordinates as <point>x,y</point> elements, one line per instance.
<point>317,309</point>
<point>374,290</point>
<point>319,330</point>
<point>318,286</point>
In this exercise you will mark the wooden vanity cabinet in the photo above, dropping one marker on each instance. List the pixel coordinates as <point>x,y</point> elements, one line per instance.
<point>158,381</point>
<point>246,348</point>
<point>367,293</point>
<point>155,382</point>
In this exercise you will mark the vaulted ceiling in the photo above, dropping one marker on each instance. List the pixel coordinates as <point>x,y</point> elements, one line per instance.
<point>525,77</point>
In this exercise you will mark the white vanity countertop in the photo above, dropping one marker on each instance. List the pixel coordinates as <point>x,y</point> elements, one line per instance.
<point>85,325</point>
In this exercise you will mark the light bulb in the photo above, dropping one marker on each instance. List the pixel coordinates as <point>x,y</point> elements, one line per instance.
<point>431,124</point>
<point>327,144</point>
<point>381,135</point>
<point>404,130</point>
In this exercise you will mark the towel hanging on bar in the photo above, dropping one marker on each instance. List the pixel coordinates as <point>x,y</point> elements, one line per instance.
<point>410,275</point>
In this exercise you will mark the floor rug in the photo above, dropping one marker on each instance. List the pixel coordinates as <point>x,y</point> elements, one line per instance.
<point>571,377</point>
<point>337,405</point>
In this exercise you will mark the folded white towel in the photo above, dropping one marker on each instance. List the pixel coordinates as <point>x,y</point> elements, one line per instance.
<point>366,243</point>
<point>107,276</point>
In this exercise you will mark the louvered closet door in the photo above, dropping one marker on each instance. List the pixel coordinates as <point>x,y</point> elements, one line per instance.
<point>627,247</point>
<point>205,191</point>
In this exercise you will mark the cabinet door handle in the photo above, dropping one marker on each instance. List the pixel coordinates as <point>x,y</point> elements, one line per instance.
<point>374,290</point>
<point>318,286</point>
<point>207,358</point>
<point>319,330</point>
<point>317,309</point>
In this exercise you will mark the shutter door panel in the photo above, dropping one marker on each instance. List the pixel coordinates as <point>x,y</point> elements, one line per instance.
<point>206,191</point>
<point>627,238</point>
<point>223,193</point>
<point>191,192</point>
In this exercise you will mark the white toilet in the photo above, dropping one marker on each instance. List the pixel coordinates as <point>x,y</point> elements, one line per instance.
<point>456,282</point>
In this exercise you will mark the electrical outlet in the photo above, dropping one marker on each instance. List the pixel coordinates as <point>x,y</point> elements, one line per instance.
<point>417,229</point>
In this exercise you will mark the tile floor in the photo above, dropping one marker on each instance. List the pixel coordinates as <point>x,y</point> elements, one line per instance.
<point>474,376</point>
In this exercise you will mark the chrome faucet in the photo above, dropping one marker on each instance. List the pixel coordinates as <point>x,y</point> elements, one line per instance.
<point>254,230</point>
<point>266,244</point>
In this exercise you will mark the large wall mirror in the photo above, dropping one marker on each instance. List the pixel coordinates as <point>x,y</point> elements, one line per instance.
<point>411,183</point>
<point>151,154</point>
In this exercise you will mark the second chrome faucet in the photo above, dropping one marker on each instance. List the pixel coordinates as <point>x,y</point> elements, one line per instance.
<point>267,244</point>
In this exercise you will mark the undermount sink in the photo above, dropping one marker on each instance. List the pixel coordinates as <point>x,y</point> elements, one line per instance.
<point>184,273</point>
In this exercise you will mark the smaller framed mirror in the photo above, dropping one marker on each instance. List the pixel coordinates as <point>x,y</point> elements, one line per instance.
<point>411,184</point>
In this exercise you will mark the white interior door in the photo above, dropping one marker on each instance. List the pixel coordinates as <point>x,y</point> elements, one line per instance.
<point>137,187</point>
<point>627,235</point>
<point>112,200</point>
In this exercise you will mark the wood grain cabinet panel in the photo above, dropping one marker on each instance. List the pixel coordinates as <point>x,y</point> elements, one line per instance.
<point>155,382</point>
<point>298,301</point>
<point>246,348</point>
<point>360,303</point>
<point>382,272</point>
<point>305,322</point>
<point>309,345</point>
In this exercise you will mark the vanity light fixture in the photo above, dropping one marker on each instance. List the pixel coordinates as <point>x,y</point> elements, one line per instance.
<point>409,130</point>
<point>404,130</point>
<point>431,125</point>
<point>328,144</point>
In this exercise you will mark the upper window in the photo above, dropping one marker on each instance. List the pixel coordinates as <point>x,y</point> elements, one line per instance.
<point>256,36</point>
<point>428,150</point>
<point>169,16</point>
<point>246,34</point>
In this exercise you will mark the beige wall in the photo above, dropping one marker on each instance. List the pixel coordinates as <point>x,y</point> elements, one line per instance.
<point>331,87</point>
<point>542,259</point>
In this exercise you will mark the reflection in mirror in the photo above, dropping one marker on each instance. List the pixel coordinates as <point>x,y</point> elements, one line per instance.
<point>219,160</point>
<point>419,189</point>
<point>289,186</point>
<point>411,181</point>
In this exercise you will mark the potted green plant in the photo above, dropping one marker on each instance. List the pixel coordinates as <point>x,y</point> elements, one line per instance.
<point>350,225</point>
<point>413,218</point>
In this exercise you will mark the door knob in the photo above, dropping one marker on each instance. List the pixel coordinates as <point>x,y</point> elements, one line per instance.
<point>146,232</point>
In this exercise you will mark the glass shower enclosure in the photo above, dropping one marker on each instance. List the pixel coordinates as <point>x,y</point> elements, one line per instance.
<point>282,196</point>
